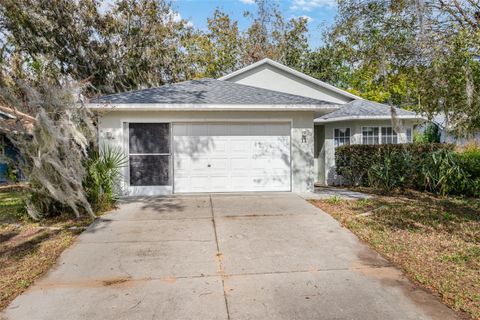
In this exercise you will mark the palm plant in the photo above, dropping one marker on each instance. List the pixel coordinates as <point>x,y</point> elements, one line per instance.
<point>444,174</point>
<point>102,182</point>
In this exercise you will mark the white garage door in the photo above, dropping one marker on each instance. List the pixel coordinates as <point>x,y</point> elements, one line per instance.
<point>231,157</point>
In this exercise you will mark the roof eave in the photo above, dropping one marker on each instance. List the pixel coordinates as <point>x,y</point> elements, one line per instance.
<point>210,107</point>
<point>291,71</point>
<point>354,118</point>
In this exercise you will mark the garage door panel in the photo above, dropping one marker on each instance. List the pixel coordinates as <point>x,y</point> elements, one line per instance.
<point>219,183</point>
<point>272,181</point>
<point>191,146</point>
<point>275,164</point>
<point>197,182</point>
<point>218,164</point>
<point>218,145</point>
<point>241,183</point>
<point>194,163</point>
<point>240,145</point>
<point>260,164</point>
<point>182,184</point>
<point>243,163</point>
<point>227,157</point>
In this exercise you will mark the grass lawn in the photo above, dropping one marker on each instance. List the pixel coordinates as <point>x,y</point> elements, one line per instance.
<point>436,241</point>
<point>28,248</point>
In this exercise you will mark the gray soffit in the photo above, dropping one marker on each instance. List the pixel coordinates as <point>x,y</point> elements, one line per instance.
<point>207,92</point>
<point>366,110</point>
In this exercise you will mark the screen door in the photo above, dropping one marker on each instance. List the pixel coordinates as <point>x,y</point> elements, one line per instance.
<point>149,154</point>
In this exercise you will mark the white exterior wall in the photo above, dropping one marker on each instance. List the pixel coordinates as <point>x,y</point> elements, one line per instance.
<point>269,77</point>
<point>303,176</point>
<point>355,138</point>
<point>446,137</point>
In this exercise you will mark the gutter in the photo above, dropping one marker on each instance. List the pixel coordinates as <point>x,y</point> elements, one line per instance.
<point>353,118</point>
<point>209,107</point>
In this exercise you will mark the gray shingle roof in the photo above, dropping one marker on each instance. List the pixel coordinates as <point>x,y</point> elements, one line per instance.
<point>364,109</point>
<point>206,91</point>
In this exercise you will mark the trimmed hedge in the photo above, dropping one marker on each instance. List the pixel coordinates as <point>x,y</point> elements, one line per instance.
<point>354,162</point>
<point>471,162</point>
<point>430,167</point>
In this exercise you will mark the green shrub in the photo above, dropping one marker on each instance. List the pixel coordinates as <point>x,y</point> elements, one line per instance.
<point>471,162</point>
<point>103,177</point>
<point>12,174</point>
<point>426,167</point>
<point>391,170</point>
<point>354,162</point>
<point>442,173</point>
<point>334,199</point>
<point>431,134</point>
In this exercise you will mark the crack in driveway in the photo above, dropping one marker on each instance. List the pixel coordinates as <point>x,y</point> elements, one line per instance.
<point>219,257</point>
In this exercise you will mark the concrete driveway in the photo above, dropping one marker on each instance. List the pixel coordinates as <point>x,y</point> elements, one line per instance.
<point>268,256</point>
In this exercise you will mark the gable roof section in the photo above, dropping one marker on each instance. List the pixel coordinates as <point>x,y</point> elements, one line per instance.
<point>292,72</point>
<point>366,110</point>
<point>206,92</point>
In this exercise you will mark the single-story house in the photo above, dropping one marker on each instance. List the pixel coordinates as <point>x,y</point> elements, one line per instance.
<point>265,127</point>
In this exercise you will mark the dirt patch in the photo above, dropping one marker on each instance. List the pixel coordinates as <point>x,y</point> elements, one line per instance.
<point>28,248</point>
<point>115,282</point>
<point>372,259</point>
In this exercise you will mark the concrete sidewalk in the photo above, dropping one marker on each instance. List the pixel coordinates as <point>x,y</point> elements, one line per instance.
<point>267,256</point>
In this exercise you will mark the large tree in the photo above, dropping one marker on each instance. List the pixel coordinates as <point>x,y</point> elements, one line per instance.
<point>221,46</point>
<point>419,54</point>
<point>134,44</point>
<point>270,35</point>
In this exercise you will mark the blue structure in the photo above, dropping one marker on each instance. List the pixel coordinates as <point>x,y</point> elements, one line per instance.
<point>8,154</point>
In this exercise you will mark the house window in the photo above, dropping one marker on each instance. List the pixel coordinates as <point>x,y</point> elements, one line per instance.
<point>409,135</point>
<point>389,135</point>
<point>379,135</point>
<point>370,135</point>
<point>341,136</point>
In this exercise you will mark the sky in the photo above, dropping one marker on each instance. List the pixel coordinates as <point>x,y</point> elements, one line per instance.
<point>320,13</point>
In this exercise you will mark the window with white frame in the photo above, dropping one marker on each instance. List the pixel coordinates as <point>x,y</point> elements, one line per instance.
<point>370,135</point>
<point>389,135</point>
<point>379,135</point>
<point>409,135</point>
<point>341,136</point>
